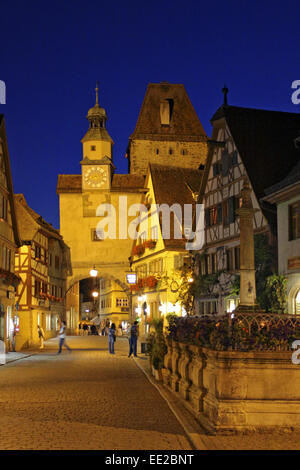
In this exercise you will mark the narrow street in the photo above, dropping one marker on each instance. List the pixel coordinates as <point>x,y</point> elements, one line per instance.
<point>86,399</point>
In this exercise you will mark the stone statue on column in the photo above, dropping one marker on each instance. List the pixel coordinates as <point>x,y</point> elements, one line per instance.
<point>246,213</point>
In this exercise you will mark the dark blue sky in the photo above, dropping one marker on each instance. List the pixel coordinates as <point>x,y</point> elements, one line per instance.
<point>52,53</point>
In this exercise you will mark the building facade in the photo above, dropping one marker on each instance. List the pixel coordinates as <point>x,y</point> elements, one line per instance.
<point>43,263</point>
<point>80,196</point>
<point>9,243</point>
<point>160,252</point>
<point>168,131</point>
<point>286,195</point>
<point>245,143</point>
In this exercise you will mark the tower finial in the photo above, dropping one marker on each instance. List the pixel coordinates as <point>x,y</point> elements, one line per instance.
<point>96,89</point>
<point>225,93</point>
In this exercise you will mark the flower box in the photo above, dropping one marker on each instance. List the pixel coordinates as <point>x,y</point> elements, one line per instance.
<point>150,244</point>
<point>138,250</point>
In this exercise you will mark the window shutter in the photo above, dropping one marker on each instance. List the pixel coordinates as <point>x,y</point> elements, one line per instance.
<point>225,163</point>
<point>231,209</point>
<point>207,217</point>
<point>234,158</point>
<point>219,219</point>
<point>215,169</point>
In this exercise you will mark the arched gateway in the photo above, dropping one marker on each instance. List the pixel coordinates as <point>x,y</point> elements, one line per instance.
<point>79,198</point>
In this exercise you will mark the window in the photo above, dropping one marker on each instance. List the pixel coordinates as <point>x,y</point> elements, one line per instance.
<point>213,213</point>
<point>56,262</point>
<point>37,288</point>
<point>97,235</point>
<point>225,213</point>
<point>216,169</point>
<point>156,266</point>
<point>157,151</point>
<point>229,259</point>
<point>183,152</point>
<point>234,158</point>
<point>213,263</point>
<point>154,233</point>
<point>3,207</point>
<point>225,163</point>
<point>37,252</point>
<point>119,302</point>
<point>170,151</point>
<point>48,322</point>
<point>141,271</point>
<point>294,221</point>
<point>93,148</point>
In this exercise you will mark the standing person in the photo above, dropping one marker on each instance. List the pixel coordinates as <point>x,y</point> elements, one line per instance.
<point>112,338</point>
<point>41,336</point>
<point>80,328</point>
<point>62,336</point>
<point>85,329</point>
<point>134,332</point>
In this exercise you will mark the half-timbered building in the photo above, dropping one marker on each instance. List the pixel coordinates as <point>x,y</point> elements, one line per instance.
<point>42,263</point>
<point>245,142</point>
<point>9,241</point>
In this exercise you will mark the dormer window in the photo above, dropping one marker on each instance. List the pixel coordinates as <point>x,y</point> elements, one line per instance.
<point>166,108</point>
<point>93,148</point>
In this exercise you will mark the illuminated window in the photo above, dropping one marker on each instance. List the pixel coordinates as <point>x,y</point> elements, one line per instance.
<point>294,221</point>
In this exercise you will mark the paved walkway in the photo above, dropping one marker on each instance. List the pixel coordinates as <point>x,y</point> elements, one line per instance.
<point>87,399</point>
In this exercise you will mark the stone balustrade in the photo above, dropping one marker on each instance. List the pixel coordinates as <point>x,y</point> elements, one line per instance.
<point>235,391</point>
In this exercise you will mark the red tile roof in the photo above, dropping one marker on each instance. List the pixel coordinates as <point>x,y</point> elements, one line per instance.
<point>184,124</point>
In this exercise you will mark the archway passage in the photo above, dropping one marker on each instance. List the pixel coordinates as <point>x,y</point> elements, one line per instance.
<point>102,300</point>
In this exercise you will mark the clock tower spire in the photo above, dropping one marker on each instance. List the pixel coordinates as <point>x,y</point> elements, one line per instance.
<point>97,142</point>
<point>97,146</point>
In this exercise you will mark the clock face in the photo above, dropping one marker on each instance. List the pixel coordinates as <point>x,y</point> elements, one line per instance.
<point>95,177</point>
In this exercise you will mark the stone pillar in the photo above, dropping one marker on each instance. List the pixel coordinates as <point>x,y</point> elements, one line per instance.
<point>247,264</point>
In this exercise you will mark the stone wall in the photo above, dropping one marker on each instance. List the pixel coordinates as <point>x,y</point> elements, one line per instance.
<point>230,391</point>
<point>184,154</point>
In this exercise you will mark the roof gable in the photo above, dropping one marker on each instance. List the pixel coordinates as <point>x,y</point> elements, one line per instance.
<point>265,142</point>
<point>184,122</point>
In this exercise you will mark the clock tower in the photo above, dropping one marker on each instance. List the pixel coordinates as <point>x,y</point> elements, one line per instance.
<point>97,145</point>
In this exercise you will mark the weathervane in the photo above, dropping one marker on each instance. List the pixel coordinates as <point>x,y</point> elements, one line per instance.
<point>225,93</point>
<point>96,89</point>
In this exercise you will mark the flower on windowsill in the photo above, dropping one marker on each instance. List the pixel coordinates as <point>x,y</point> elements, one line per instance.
<point>150,244</point>
<point>138,249</point>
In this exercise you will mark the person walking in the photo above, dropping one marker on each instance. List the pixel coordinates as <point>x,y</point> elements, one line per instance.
<point>134,332</point>
<point>62,337</point>
<point>41,336</point>
<point>112,338</point>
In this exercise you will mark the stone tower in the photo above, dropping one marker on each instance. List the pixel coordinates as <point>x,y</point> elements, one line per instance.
<point>168,131</point>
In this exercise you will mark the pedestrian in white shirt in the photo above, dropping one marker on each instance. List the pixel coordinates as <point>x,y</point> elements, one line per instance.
<point>62,337</point>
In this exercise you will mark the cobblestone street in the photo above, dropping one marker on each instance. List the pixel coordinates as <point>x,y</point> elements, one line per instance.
<point>86,399</point>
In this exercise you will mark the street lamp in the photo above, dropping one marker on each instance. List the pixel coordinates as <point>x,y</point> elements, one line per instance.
<point>95,294</point>
<point>93,272</point>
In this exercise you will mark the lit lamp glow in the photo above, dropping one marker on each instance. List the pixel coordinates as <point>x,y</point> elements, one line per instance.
<point>93,272</point>
<point>190,280</point>
<point>95,294</point>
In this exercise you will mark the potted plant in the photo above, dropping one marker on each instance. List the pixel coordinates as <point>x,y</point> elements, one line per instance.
<point>157,348</point>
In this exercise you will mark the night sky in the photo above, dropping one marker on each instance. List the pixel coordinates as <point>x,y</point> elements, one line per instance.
<point>52,53</point>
